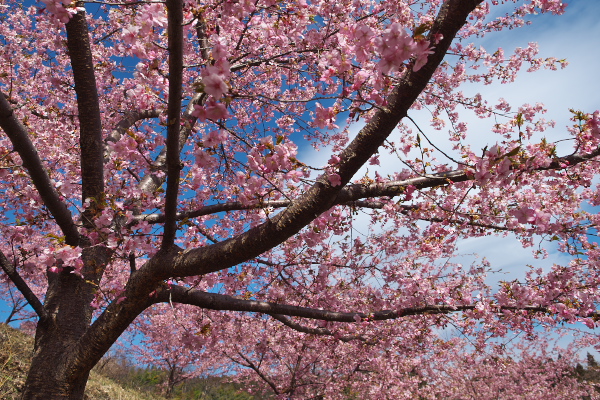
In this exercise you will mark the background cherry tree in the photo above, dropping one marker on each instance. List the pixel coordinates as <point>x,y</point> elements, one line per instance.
<point>152,167</point>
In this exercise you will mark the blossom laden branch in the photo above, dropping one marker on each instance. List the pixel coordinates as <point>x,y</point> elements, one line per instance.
<point>354,194</point>
<point>19,137</point>
<point>123,125</point>
<point>323,194</point>
<point>221,302</point>
<point>152,181</point>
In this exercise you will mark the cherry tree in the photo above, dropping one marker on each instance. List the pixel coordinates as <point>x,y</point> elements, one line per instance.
<point>152,156</point>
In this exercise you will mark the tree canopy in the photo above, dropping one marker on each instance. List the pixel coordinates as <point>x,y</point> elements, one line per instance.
<point>154,177</point>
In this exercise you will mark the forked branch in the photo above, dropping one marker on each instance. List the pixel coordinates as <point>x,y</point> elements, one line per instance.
<point>248,245</point>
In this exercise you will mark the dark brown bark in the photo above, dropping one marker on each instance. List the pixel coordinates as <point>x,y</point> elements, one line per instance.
<point>88,106</point>
<point>215,301</point>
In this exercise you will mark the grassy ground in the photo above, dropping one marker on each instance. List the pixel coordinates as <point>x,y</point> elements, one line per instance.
<point>15,354</point>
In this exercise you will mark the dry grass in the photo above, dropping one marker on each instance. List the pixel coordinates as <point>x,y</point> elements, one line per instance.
<point>15,354</point>
<point>102,388</point>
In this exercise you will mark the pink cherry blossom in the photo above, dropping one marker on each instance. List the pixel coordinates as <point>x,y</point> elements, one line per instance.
<point>594,123</point>
<point>57,8</point>
<point>422,51</point>
<point>335,179</point>
<point>234,188</point>
<point>214,85</point>
<point>525,215</point>
<point>324,117</point>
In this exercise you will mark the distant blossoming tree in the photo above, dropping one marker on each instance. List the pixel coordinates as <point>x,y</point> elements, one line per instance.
<point>151,165</point>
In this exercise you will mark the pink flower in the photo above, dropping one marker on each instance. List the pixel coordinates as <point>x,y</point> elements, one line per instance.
<point>203,158</point>
<point>363,35</point>
<point>129,34</point>
<point>214,85</point>
<point>395,46</point>
<point>325,117</point>
<point>212,110</point>
<point>215,138</point>
<point>408,194</point>
<point>590,323</point>
<point>542,220</point>
<point>593,123</point>
<point>422,51</point>
<point>294,175</point>
<point>154,15</point>
<point>58,10</point>
<point>524,215</point>
<point>483,174</point>
<point>335,179</point>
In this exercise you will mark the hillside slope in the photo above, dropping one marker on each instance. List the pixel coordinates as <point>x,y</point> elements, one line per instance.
<point>15,353</point>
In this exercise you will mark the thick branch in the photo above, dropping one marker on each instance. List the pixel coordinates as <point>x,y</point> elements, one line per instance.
<point>22,286</point>
<point>17,133</point>
<point>175,32</point>
<point>215,301</point>
<point>88,106</point>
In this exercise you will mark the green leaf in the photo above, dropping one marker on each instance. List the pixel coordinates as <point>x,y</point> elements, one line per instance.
<point>513,152</point>
<point>421,29</point>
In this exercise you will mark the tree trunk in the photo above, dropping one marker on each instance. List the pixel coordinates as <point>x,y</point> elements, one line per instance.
<point>55,373</point>
<point>49,376</point>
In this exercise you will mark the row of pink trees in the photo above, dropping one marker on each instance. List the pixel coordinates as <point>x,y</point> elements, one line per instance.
<point>383,361</point>
<point>151,154</point>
